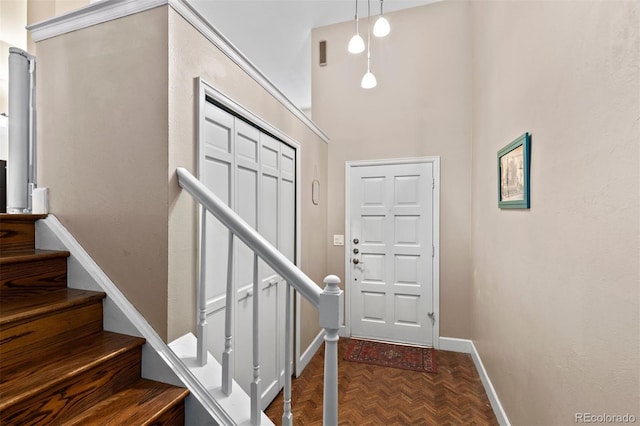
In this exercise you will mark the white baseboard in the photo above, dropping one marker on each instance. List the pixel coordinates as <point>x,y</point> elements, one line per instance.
<point>452,344</point>
<point>466,346</point>
<point>306,357</point>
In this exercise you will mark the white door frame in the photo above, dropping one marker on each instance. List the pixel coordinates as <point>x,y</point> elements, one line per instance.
<point>205,89</point>
<point>435,161</point>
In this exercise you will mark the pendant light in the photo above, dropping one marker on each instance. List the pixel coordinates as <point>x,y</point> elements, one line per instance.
<point>381,28</point>
<point>356,44</point>
<point>368,80</point>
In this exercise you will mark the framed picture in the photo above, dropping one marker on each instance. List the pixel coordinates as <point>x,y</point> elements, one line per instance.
<point>513,174</point>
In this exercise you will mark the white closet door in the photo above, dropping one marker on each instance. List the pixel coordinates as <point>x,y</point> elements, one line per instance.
<point>246,191</point>
<point>216,168</point>
<point>254,174</point>
<point>273,289</point>
<point>287,235</point>
<point>287,205</point>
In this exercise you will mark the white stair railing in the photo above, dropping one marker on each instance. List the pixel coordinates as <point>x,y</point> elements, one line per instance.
<point>328,302</point>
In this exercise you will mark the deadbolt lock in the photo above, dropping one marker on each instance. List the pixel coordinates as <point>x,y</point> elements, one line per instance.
<point>356,251</point>
<point>356,241</point>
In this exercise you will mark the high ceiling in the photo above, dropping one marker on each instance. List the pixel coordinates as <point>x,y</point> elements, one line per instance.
<point>276,34</point>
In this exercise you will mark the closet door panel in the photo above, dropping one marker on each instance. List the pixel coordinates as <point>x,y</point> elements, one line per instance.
<point>271,306</point>
<point>215,169</point>
<point>247,190</point>
<point>286,233</point>
<point>287,207</point>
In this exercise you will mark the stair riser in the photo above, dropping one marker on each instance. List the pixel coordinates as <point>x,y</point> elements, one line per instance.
<point>174,416</point>
<point>77,393</point>
<point>31,278</point>
<point>21,338</point>
<point>17,235</point>
<point>146,402</point>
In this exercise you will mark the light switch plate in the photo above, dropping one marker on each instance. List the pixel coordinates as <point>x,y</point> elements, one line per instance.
<point>338,240</point>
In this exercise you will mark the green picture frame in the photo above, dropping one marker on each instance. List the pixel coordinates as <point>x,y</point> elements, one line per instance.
<point>514,165</point>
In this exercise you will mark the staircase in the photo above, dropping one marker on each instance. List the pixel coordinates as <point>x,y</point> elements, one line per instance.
<point>57,364</point>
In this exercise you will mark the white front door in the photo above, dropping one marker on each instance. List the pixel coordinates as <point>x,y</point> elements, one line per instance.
<point>391,252</point>
<point>254,174</point>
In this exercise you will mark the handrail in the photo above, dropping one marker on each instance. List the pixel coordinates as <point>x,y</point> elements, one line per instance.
<point>329,302</point>
<point>269,254</point>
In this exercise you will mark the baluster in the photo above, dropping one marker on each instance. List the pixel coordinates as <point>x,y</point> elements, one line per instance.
<point>287,416</point>
<point>202,292</point>
<point>331,316</point>
<point>227,358</point>
<point>256,400</point>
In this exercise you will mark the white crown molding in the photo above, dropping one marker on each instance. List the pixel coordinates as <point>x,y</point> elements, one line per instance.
<point>221,42</point>
<point>108,10</point>
<point>93,14</point>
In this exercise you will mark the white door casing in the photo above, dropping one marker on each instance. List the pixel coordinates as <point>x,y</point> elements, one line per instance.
<point>254,174</point>
<point>392,222</point>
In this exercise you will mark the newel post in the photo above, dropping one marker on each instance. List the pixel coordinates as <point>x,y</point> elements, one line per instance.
<point>331,317</point>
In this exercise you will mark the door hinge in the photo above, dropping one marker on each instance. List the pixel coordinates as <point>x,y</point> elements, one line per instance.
<point>433,183</point>
<point>433,251</point>
<point>432,315</point>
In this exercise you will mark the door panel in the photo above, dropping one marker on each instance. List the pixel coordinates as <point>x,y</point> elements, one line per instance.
<point>287,207</point>
<point>270,303</point>
<point>247,198</point>
<point>216,160</point>
<point>392,219</point>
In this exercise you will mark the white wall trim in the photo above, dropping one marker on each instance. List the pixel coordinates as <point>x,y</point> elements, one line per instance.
<point>466,346</point>
<point>139,322</point>
<point>452,344</point>
<point>435,161</point>
<point>93,14</point>
<point>307,356</point>
<point>108,10</point>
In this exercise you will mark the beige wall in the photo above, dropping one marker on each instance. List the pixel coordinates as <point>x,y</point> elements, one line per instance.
<point>103,149</point>
<point>191,55</point>
<point>13,18</point>
<point>556,288</point>
<point>116,117</point>
<point>421,107</point>
<point>40,10</point>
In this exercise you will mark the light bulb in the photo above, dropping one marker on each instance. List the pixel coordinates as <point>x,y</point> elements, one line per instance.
<point>356,44</point>
<point>368,81</point>
<point>381,27</point>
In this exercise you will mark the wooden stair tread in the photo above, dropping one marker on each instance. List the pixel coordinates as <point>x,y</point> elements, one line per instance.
<point>141,404</point>
<point>22,380</point>
<point>15,310</point>
<point>17,256</point>
<point>21,217</point>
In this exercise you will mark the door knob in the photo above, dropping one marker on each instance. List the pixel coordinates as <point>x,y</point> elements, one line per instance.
<point>356,261</point>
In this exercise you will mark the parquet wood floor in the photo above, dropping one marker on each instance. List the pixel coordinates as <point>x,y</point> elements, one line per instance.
<point>374,395</point>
